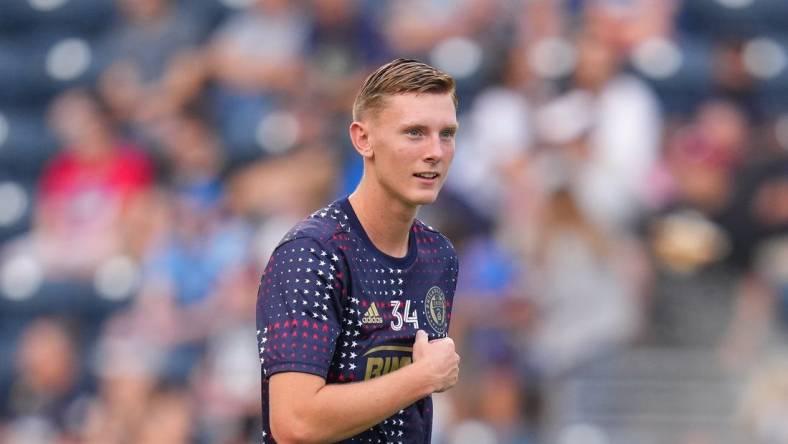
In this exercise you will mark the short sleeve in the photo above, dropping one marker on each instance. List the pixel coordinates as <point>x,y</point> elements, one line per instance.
<point>299,309</point>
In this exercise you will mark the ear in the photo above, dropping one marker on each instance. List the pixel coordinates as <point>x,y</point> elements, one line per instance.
<point>359,135</point>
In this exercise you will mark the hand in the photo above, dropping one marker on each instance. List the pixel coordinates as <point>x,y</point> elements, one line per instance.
<point>438,358</point>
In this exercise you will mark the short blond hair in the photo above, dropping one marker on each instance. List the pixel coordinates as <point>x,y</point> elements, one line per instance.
<point>401,76</point>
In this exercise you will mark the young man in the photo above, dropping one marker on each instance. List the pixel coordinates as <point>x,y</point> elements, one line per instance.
<point>354,306</point>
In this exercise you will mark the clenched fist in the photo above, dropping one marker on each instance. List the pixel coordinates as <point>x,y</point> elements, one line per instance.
<point>439,360</point>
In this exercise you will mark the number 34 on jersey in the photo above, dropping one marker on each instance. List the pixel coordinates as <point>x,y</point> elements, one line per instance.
<point>406,317</point>
<point>401,314</point>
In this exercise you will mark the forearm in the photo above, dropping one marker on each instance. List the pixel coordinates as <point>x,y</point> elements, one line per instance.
<point>339,411</point>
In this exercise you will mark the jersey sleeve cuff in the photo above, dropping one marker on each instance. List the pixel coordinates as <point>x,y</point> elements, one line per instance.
<point>298,367</point>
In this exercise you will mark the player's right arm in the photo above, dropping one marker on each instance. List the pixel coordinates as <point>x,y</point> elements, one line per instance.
<point>304,409</point>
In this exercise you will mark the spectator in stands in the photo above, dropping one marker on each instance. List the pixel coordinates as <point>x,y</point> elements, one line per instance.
<point>85,191</point>
<point>226,370</point>
<point>127,371</point>
<point>697,284</point>
<point>414,27</point>
<point>498,140</point>
<point>150,32</point>
<point>201,244</point>
<point>224,386</point>
<point>343,44</point>
<point>758,220</point>
<point>168,418</point>
<point>621,120</point>
<point>596,311</point>
<point>256,58</point>
<point>44,401</point>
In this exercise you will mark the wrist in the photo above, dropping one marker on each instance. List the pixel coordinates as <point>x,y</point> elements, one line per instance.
<point>425,383</point>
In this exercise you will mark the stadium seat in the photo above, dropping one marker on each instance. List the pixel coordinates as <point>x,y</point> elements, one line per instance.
<point>28,144</point>
<point>682,91</point>
<point>16,206</point>
<point>86,16</point>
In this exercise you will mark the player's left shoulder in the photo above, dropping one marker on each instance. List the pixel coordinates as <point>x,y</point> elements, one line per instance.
<point>433,236</point>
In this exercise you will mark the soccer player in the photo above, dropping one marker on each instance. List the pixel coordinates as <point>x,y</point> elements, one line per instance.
<point>354,305</point>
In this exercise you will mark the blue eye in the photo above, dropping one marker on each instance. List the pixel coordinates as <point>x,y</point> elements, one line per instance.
<point>447,134</point>
<point>414,132</point>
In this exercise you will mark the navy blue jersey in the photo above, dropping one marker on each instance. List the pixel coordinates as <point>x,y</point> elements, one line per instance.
<point>333,305</point>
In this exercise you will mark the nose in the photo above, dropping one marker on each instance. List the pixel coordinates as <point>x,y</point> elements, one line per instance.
<point>433,152</point>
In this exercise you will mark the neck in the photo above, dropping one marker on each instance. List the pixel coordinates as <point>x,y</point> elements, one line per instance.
<point>386,220</point>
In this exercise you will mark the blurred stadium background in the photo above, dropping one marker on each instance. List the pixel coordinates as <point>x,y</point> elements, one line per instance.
<point>618,200</point>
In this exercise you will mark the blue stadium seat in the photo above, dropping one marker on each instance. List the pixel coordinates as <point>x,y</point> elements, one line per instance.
<point>772,15</point>
<point>11,328</point>
<point>23,223</point>
<point>681,92</point>
<point>22,77</point>
<point>67,297</point>
<point>710,18</point>
<point>17,17</point>
<point>28,145</point>
<point>205,14</point>
<point>772,93</point>
<point>24,80</point>
<point>86,16</point>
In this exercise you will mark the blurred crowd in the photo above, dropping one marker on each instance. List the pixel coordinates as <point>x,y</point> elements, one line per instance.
<point>620,185</point>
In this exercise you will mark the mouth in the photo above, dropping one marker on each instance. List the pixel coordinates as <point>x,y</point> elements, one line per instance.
<point>427,175</point>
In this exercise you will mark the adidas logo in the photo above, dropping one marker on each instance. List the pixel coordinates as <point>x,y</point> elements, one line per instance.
<point>372,316</point>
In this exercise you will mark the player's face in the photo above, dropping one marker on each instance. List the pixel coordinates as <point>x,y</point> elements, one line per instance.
<point>412,139</point>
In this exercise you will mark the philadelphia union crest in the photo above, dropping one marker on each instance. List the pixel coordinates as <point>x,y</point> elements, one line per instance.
<point>435,309</point>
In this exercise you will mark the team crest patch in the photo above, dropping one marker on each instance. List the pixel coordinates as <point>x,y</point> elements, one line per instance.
<point>435,309</point>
